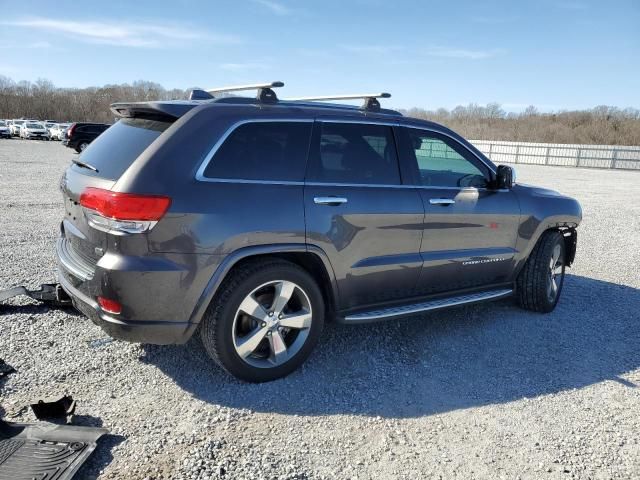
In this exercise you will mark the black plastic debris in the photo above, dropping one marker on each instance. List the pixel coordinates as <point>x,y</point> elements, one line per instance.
<point>5,368</point>
<point>50,293</point>
<point>51,452</point>
<point>59,409</point>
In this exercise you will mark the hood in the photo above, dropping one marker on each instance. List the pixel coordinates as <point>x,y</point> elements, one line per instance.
<point>540,190</point>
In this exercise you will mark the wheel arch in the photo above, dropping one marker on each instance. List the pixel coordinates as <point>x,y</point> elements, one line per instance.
<point>569,232</point>
<point>311,258</point>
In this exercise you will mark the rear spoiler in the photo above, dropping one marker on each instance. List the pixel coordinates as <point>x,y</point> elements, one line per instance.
<point>167,110</point>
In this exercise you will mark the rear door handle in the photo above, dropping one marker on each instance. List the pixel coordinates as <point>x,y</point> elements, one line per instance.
<point>329,200</point>
<point>442,201</point>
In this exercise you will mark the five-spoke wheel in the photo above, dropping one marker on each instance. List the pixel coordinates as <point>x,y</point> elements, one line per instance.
<point>540,282</point>
<point>272,323</point>
<point>265,320</point>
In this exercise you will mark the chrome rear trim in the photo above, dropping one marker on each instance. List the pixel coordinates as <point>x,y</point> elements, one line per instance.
<point>72,262</point>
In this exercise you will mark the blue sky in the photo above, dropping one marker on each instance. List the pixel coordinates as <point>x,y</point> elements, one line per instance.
<point>555,54</point>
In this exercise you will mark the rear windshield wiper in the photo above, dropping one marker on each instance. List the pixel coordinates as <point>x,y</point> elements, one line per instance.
<point>85,165</point>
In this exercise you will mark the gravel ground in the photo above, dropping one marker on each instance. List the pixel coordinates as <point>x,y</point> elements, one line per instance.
<point>488,391</point>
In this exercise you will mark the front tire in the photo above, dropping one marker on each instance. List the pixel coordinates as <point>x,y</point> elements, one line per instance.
<point>540,283</point>
<point>264,321</point>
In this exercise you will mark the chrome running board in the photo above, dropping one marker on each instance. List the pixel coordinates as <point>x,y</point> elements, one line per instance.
<point>403,310</point>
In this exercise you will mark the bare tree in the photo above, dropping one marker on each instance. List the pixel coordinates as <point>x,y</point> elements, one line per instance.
<point>600,125</point>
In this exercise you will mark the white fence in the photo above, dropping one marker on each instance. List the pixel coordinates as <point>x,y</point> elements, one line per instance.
<point>567,155</point>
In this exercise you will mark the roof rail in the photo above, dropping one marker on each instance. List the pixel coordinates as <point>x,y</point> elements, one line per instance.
<point>371,102</point>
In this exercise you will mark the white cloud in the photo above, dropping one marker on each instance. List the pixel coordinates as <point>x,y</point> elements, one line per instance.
<point>275,7</point>
<point>108,32</point>
<point>451,52</point>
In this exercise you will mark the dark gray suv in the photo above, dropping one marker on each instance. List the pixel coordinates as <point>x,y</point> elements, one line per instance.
<point>254,220</point>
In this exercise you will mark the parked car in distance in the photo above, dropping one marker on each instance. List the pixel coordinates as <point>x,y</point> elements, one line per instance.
<point>80,135</point>
<point>289,213</point>
<point>5,131</point>
<point>15,127</point>
<point>57,131</point>
<point>30,130</point>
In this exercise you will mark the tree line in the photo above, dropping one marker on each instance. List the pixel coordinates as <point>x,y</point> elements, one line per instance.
<point>602,125</point>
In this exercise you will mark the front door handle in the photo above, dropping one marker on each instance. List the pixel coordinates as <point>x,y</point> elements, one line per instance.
<point>333,201</point>
<point>442,201</point>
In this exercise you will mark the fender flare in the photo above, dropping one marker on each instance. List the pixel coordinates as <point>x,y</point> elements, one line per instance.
<point>233,258</point>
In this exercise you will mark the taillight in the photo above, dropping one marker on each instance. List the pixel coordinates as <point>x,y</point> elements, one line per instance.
<point>71,130</point>
<point>110,306</point>
<point>121,213</point>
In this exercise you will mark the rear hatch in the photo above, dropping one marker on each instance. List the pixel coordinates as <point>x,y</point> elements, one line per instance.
<point>100,166</point>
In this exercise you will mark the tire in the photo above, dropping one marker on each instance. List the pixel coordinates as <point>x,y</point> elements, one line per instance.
<point>540,282</point>
<point>226,327</point>
<point>81,146</point>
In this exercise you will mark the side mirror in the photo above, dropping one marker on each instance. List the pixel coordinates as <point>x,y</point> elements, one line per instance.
<point>505,177</point>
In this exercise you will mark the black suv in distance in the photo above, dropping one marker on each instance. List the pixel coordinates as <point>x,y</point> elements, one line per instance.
<point>80,135</point>
<point>252,220</point>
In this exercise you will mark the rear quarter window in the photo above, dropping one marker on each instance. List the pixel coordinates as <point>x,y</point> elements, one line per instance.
<point>271,151</point>
<point>117,148</point>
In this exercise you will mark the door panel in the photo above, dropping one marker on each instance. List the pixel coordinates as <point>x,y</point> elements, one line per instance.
<point>469,243</point>
<point>373,229</point>
<point>372,240</point>
<point>470,230</point>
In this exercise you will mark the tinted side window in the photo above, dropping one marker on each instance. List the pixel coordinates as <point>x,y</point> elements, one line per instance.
<point>442,162</point>
<point>355,153</point>
<point>263,151</point>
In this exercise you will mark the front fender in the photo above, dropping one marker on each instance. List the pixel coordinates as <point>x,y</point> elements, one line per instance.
<point>544,210</point>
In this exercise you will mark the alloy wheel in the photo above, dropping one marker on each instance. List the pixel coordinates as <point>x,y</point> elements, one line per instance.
<point>272,324</point>
<point>556,272</point>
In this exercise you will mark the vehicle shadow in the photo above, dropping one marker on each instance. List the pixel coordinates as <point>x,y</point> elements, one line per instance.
<point>438,362</point>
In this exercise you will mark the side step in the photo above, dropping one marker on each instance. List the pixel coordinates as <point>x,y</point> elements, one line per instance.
<point>403,310</point>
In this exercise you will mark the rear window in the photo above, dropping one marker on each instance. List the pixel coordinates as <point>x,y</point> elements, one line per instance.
<point>116,149</point>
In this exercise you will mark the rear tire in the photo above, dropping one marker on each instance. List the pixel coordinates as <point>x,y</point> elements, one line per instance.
<point>540,282</point>
<point>81,147</point>
<point>278,335</point>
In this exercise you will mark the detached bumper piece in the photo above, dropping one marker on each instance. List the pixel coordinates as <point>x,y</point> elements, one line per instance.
<point>62,408</point>
<point>49,293</point>
<point>48,452</point>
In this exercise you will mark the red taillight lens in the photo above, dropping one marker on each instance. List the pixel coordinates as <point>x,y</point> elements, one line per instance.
<point>125,206</point>
<point>71,130</point>
<point>110,306</point>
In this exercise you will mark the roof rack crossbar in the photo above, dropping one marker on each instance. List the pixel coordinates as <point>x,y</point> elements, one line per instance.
<point>238,88</point>
<point>265,93</point>
<point>370,100</point>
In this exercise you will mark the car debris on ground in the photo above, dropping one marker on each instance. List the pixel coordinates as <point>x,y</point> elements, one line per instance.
<point>45,451</point>
<point>5,369</point>
<point>62,408</point>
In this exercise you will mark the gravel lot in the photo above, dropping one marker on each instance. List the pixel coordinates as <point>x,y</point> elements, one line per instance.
<point>489,391</point>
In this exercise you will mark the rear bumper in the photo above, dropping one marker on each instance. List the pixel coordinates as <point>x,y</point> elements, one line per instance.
<point>158,293</point>
<point>159,333</point>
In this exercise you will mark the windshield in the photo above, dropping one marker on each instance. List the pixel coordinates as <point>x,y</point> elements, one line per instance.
<point>33,125</point>
<point>118,147</point>
<point>18,122</point>
<point>2,123</point>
